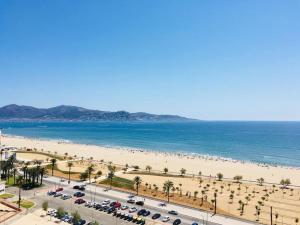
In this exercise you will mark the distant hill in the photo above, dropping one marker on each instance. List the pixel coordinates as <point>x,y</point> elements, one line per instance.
<point>73,113</point>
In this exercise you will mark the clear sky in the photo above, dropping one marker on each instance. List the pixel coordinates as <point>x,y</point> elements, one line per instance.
<point>216,60</point>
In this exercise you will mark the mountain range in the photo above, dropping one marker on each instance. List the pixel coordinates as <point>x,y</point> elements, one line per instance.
<point>74,113</point>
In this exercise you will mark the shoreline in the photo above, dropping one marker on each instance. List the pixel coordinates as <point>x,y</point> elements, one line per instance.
<point>174,161</point>
<point>166,152</point>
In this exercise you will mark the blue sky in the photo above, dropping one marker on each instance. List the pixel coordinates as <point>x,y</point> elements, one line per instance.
<point>215,60</point>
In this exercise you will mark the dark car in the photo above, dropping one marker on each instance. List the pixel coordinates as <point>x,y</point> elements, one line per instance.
<point>76,187</point>
<point>105,208</point>
<point>98,206</point>
<point>141,203</point>
<point>111,209</point>
<point>146,213</point>
<point>79,194</point>
<point>79,201</point>
<point>80,222</point>
<point>131,201</point>
<point>81,188</point>
<point>156,216</point>
<point>172,212</point>
<point>141,212</point>
<point>51,193</point>
<point>177,222</point>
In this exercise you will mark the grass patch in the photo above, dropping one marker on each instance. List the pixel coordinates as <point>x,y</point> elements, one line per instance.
<point>43,153</point>
<point>120,183</point>
<point>10,181</point>
<point>6,196</point>
<point>49,167</point>
<point>25,204</point>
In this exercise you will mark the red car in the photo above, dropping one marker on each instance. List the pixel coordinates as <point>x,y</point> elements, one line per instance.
<point>117,205</point>
<point>79,201</point>
<point>59,189</point>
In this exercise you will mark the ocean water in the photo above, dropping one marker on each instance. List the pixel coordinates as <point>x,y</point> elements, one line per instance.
<point>262,142</point>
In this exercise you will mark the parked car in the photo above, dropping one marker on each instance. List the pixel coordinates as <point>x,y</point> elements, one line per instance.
<point>79,201</point>
<point>79,194</point>
<point>111,209</point>
<point>124,207</point>
<point>65,197</point>
<point>132,210</point>
<point>146,213</point>
<point>156,216</point>
<point>177,222</point>
<point>59,189</point>
<point>81,188</point>
<point>107,201</point>
<point>165,219</point>
<point>141,203</point>
<point>57,194</point>
<point>131,201</point>
<point>194,223</point>
<point>50,193</point>
<point>76,187</point>
<point>141,212</point>
<point>173,212</point>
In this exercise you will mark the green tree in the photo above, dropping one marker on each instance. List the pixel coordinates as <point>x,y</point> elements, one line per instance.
<point>182,171</point>
<point>70,165</point>
<point>19,183</point>
<point>111,174</point>
<point>260,181</point>
<point>149,168</point>
<point>60,212</point>
<point>76,217</point>
<point>166,170</point>
<point>90,170</point>
<point>53,164</point>
<point>220,176</point>
<point>137,181</point>
<point>45,206</point>
<point>167,186</point>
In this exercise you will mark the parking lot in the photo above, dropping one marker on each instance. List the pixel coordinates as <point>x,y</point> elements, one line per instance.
<point>112,211</point>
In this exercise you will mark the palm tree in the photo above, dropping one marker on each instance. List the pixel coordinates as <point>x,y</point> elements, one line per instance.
<point>111,174</point>
<point>43,171</point>
<point>14,173</point>
<point>260,181</point>
<point>222,187</point>
<point>90,170</point>
<point>70,165</point>
<point>180,190</point>
<point>195,194</point>
<point>182,171</point>
<point>19,183</point>
<point>53,164</point>
<point>168,185</point>
<point>149,168</point>
<point>137,181</point>
<point>1,154</point>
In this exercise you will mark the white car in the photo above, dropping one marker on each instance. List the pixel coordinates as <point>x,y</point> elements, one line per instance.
<point>165,219</point>
<point>107,201</point>
<point>132,210</point>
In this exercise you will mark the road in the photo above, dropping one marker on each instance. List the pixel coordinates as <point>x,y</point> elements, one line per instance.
<point>97,194</point>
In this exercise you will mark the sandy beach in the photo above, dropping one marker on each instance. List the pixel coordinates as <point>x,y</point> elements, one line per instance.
<point>158,161</point>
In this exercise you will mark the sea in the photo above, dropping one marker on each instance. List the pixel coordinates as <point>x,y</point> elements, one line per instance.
<point>276,143</point>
